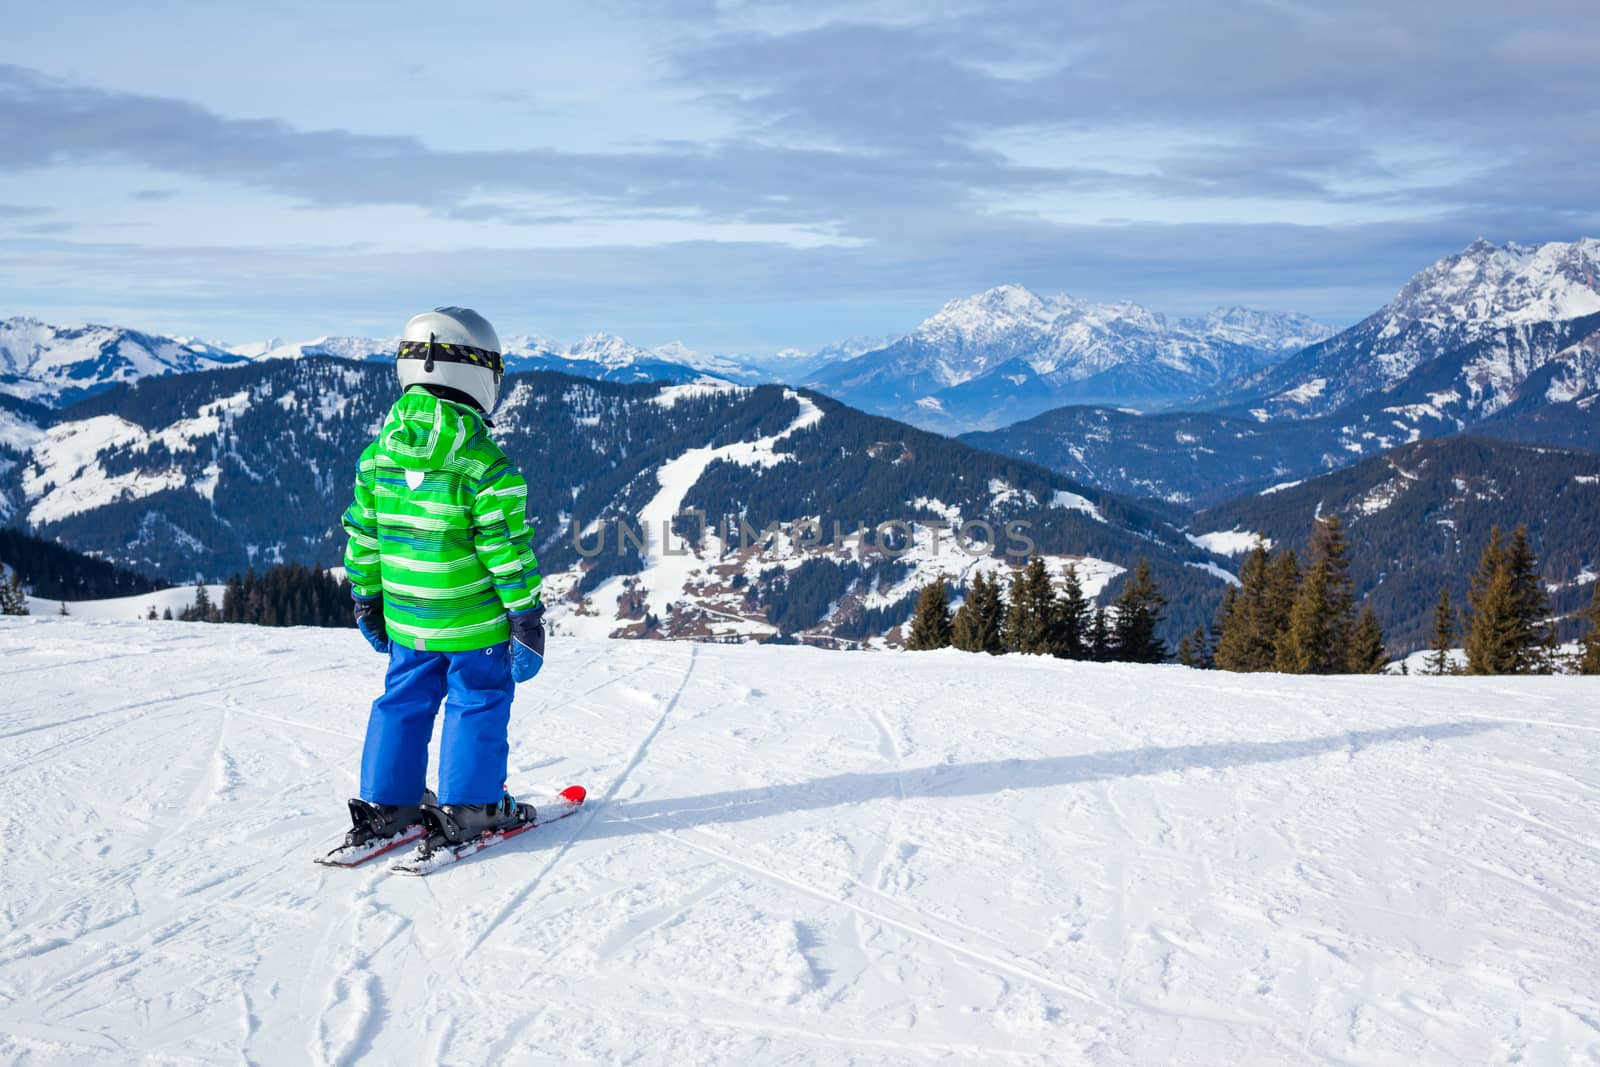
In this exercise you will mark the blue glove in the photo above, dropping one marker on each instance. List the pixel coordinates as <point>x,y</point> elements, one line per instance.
<point>369,620</point>
<point>527,643</point>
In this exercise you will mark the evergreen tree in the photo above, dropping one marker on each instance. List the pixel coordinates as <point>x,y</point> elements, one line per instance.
<point>1322,619</point>
<point>166,616</point>
<point>978,623</point>
<point>151,615</point>
<point>1490,600</point>
<point>1072,622</point>
<point>1031,618</point>
<point>1140,608</point>
<point>13,600</point>
<point>1589,662</point>
<point>1224,619</point>
<point>1367,654</point>
<point>202,610</point>
<point>1244,641</point>
<point>991,607</point>
<point>1193,650</point>
<point>1100,637</point>
<point>1254,616</point>
<point>1537,655</point>
<point>1444,636</point>
<point>930,626</point>
<point>1283,585</point>
<point>1503,635</point>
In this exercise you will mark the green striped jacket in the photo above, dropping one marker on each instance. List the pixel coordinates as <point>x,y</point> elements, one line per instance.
<point>439,526</point>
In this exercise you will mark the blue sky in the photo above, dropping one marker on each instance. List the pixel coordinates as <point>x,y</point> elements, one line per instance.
<point>750,177</point>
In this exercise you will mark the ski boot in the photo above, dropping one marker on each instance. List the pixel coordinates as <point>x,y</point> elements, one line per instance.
<point>373,822</point>
<point>459,823</point>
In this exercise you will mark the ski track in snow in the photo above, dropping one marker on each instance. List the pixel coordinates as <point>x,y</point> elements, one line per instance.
<point>794,856</point>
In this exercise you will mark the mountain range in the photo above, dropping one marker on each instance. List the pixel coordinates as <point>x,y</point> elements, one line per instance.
<point>209,472</point>
<point>1496,340</point>
<point>1007,354</point>
<point>181,457</point>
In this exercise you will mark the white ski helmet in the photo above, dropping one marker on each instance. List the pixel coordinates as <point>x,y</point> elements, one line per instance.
<point>452,349</point>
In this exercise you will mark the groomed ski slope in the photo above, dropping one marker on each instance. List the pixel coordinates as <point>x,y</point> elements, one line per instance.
<point>799,857</point>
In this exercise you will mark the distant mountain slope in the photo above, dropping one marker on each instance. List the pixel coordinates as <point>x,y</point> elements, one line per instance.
<point>55,366</point>
<point>1183,457</point>
<point>59,364</point>
<point>211,472</point>
<point>53,572</point>
<point>1008,353</point>
<point>1419,515</point>
<point>1487,304</point>
<point>1536,383</point>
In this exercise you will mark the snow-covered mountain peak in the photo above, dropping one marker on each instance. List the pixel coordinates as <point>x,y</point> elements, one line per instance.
<point>1487,286</point>
<point>991,314</point>
<point>1501,312</point>
<point>338,347</point>
<point>608,350</point>
<point>52,363</point>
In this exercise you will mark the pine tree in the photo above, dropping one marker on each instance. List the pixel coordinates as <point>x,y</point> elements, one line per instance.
<point>13,599</point>
<point>1283,585</point>
<point>1244,642</point>
<point>1536,655</point>
<point>151,615</point>
<point>1503,635</point>
<point>166,616</point>
<point>1223,620</point>
<point>1193,650</point>
<point>1100,637</point>
<point>964,633</point>
<point>977,624</point>
<point>1140,608</point>
<point>1489,597</point>
<point>1367,654</point>
<point>1254,616</point>
<point>930,626</point>
<point>991,608</point>
<point>1031,618</point>
<point>1589,662</point>
<point>1444,637</point>
<point>1072,621</point>
<point>202,610</point>
<point>1322,619</point>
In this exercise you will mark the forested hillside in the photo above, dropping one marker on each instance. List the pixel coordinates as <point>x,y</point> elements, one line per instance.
<point>1418,517</point>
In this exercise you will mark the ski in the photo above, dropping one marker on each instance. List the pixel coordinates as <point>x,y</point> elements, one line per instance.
<point>345,855</point>
<point>435,851</point>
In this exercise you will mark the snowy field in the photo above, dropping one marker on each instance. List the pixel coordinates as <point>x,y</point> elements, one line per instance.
<point>798,857</point>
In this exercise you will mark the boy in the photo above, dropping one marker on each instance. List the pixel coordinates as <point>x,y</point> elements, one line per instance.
<point>446,583</point>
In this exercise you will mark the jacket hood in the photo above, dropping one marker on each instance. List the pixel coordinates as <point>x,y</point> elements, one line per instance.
<point>424,433</point>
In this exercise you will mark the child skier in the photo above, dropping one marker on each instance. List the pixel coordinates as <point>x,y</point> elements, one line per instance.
<point>446,583</point>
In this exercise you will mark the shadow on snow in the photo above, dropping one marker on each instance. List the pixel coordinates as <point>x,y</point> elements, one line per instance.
<point>993,776</point>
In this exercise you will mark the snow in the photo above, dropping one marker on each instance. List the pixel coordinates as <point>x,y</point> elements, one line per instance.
<point>671,394</point>
<point>1587,479</point>
<point>65,476</point>
<point>1073,502</point>
<point>1300,394</point>
<point>127,607</point>
<point>795,856</point>
<point>1228,542</point>
<point>1280,487</point>
<point>1216,571</point>
<point>17,433</point>
<point>669,565</point>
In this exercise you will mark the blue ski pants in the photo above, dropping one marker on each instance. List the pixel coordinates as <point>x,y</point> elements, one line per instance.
<point>473,750</point>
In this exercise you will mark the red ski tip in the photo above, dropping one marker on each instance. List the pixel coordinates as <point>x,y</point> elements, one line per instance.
<point>574,794</point>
